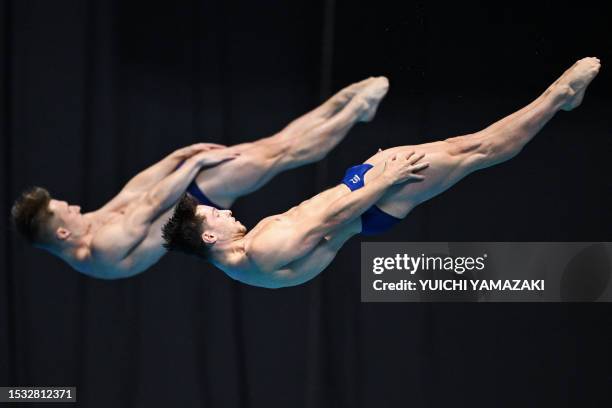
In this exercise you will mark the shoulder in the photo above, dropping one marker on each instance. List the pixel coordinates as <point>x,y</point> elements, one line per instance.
<point>109,241</point>
<point>257,249</point>
<point>253,268</point>
<point>270,245</point>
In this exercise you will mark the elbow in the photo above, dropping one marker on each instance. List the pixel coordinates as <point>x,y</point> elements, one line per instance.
<point>307,154</point>
<point>335,217</point>
<point>332,222</point>
<point>326,227</point>
<point>152,199</point>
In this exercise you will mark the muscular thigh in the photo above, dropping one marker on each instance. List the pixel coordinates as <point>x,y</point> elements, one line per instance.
<point>450,160</point>
<point>256,165</point>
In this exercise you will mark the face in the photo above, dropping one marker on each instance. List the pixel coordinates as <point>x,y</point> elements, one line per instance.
<point>68,216</point>
<point>219,224</point>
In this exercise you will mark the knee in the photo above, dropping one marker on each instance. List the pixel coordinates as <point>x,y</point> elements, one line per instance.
<point>271,149</point>
<point>307,154</point>
<point>480,150</point>
<point>471,150</point>
<point>297,147</point>
<point>298,150</point>
<point>466,144</point>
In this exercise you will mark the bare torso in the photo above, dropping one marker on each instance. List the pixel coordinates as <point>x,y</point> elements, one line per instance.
<point>280,228</point>
<point>107,225</point>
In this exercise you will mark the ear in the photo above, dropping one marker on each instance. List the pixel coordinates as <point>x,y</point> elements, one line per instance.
<point>62,234</point>
<point>209,237</point>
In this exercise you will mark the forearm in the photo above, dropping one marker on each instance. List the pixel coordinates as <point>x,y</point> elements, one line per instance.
<point>275,246</point>
<point>155,173</point>
<point>117,241</point>
<point>353,205</point>
<point>167,191</point>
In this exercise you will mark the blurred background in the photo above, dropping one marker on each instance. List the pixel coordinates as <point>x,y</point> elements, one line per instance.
<point>94,91</point>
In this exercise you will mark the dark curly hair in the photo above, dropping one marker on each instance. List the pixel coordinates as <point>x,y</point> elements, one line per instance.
<point>30,214</point>
<point>183,232</point>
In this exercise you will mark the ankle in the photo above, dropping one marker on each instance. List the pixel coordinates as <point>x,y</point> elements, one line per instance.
<point>562,93</point>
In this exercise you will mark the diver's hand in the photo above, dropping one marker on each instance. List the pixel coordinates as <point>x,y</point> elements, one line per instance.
<point>215,156</point>
<point>191,150</point>
<point>403,167</point>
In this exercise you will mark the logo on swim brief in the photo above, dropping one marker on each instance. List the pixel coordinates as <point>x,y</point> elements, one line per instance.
<point>355,179</point>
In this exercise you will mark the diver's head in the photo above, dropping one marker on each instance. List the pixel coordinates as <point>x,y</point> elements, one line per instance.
<point>200,229</point>
<point>47,222</point>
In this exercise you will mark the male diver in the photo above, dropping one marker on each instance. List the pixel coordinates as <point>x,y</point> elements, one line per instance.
<point>294,247</point>
<point>123,238</point>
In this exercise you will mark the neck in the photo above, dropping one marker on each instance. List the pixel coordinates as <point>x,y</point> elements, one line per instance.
<point>228,254</point>
<point>78,247</point>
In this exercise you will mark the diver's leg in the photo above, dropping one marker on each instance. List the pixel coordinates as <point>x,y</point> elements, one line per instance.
<point>452,159</point>
<point>335,103</point>
<point>305,140</point>
<point>502,122</point>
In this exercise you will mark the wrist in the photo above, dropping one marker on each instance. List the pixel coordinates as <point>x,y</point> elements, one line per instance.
<point>388,179</point>
<point>192,161</point>
<point>178,155</point>
<point>201,161</point>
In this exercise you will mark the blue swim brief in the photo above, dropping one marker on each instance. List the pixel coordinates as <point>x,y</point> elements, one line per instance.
<point>195,191</point>
<point>374,220</point>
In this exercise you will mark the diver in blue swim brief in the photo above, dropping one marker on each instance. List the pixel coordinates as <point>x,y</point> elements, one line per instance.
<point>374,221</point>
<point>285,249</point>
<point>123,238</point>
<point>291,248</point>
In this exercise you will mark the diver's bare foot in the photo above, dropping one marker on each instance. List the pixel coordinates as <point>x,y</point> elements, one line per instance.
<point>341,98</point>
<point>354,88</point>
<point>347,93</point>
<point>372,93</point>
<point>574,82</point>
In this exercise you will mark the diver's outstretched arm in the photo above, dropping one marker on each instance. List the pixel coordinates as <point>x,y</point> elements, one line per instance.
<point>149,177</point>
<point>113,242</point>
<point>274,249</point>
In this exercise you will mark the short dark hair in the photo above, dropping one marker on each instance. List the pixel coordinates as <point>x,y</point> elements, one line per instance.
<point>183,232</point>
<point>31,213</point>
